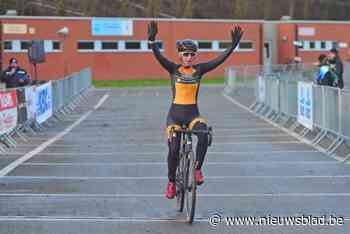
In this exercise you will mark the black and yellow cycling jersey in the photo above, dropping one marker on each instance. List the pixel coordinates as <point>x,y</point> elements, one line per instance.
<point>185,83</point>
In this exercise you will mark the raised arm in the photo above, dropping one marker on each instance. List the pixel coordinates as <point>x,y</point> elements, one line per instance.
<point>236,36</point>
<point>152,32</point>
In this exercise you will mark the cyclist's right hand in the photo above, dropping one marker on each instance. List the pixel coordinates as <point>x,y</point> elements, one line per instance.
<point>236,36</point>
<point>152,30</point>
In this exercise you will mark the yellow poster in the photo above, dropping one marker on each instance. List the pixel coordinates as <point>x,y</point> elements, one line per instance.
<point>14,28</point>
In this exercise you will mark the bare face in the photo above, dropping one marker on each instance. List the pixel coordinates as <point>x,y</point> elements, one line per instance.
<point>187,58</point>
<point>331,55</point>
<point>13,64</point>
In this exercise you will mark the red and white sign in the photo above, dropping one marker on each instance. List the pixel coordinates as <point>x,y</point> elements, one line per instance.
<point>8,111</point>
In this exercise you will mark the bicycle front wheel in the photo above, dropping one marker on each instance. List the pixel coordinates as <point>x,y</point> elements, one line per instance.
<point>191,187</point>
<point>180,184</point>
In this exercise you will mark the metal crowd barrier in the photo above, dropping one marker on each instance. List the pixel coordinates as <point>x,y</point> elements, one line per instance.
<point>276,99</point>
<point>18,120</point>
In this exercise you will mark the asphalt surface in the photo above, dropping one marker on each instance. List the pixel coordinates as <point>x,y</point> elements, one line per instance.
<point>108,174</point>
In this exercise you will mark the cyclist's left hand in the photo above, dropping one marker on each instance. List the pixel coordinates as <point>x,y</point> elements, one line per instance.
<point>236,36</point>
<point>152,30</point>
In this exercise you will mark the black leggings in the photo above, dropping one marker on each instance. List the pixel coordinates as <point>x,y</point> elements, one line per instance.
<point>174,148</point>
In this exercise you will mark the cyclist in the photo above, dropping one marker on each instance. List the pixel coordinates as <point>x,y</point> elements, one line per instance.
<point>185,82</point>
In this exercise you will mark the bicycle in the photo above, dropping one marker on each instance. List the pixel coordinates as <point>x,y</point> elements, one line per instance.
<point>185,181</point>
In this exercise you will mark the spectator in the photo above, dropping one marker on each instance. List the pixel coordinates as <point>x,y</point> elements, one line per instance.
<point>14,76</point>
<point>336,65</point>
<point>325,76</point>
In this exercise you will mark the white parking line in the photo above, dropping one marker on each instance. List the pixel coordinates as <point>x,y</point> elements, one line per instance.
<point>46,144</point>
<point>108,219</point>
<point>162,153</point>
<point>216,130</point>
<point>102,100</point>
<point>225,136</point>
<point>97,219</point>
<point>295,135</point>
<point>204,195</point>
<point>121,164</point>
<point>165,178</point>
<point>138,144</point>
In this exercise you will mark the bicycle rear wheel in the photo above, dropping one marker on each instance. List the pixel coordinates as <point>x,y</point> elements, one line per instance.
<point>191,187</point>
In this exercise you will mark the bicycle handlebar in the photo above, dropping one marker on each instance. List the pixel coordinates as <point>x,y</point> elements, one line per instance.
<point>193,131</point>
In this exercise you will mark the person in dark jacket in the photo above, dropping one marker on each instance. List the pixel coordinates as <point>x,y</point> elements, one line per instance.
<point>325,75</point>
<point>14,76</point>
<point>336,65</point>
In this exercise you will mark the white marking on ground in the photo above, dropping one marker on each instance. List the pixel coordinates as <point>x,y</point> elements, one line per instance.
<point>108,219</point>
<point>164,163</point>
<point>306,142</point>
<point>46,144</point>
<point>163,153</point>
<point>165,178</point>
<point>217,195</point>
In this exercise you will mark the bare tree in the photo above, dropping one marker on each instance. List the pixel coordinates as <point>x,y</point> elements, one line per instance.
<point>292,8</point>
<point>153,8</point>
<point>60,7</point>
<point>188,13</point>
<point>124,8</point>
<point>239,8</point>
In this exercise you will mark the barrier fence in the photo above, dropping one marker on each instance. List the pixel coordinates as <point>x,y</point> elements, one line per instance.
<point>289,97</point>
<point>30,109</point>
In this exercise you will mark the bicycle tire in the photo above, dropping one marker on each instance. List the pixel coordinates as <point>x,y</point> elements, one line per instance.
<point>180,184</point>
<point>191,187</point>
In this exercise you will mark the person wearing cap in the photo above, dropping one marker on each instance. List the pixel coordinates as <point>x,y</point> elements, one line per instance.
<point>14,76</point>
<point>185,82</point>
<point>336,65</point>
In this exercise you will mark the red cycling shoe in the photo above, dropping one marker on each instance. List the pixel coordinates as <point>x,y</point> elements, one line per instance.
<point>198,177</point>
<point>170,190</point>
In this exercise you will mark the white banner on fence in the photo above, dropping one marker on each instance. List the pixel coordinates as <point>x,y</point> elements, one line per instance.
<point>8,111</point>
<point>43,102</point>
<point>305,104</point>
<point>261,89</point>
<point>31,102</point>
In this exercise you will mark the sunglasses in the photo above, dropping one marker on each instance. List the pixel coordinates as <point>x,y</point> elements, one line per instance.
<point>187,54</point>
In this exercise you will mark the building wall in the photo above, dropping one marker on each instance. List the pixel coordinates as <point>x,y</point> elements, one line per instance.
<point>121,65</point>
<point>127,65</point>
<point>286,37</point>
<point>324,32</point>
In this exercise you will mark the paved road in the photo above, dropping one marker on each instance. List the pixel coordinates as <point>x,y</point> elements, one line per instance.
<point>108,174</point>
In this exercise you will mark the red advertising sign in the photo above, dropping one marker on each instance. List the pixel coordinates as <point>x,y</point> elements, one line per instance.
<point>8,100</point>
<point>8,111</point>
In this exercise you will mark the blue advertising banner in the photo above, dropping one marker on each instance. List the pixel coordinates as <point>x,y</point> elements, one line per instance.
<point>111,27</point>
<point>305,104</point>
<point>43,102</point>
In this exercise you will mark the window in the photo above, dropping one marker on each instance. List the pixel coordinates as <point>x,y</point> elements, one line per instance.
<point>204,45</point>
<point>56,45</point>
<point>159,43</point>
<point>323,45</point>
<point>335,44</point>
<point>25,45</point>
<point>86,45</point>
<point>7,45</point>
<point>312,45</point>
<point>132,45</point>
<point>224,44</point>
<point>245,45</point>
<point>109,45</point>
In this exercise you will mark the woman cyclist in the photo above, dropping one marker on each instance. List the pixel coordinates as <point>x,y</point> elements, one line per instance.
<point>185,82</point>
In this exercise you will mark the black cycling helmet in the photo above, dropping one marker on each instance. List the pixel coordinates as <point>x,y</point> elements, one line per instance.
<point>186,45</point>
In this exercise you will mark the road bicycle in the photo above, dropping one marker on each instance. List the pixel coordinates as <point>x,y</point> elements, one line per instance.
<point>186,186</point>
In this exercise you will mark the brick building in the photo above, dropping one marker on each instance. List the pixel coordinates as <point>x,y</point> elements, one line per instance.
<point>116,48</point>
